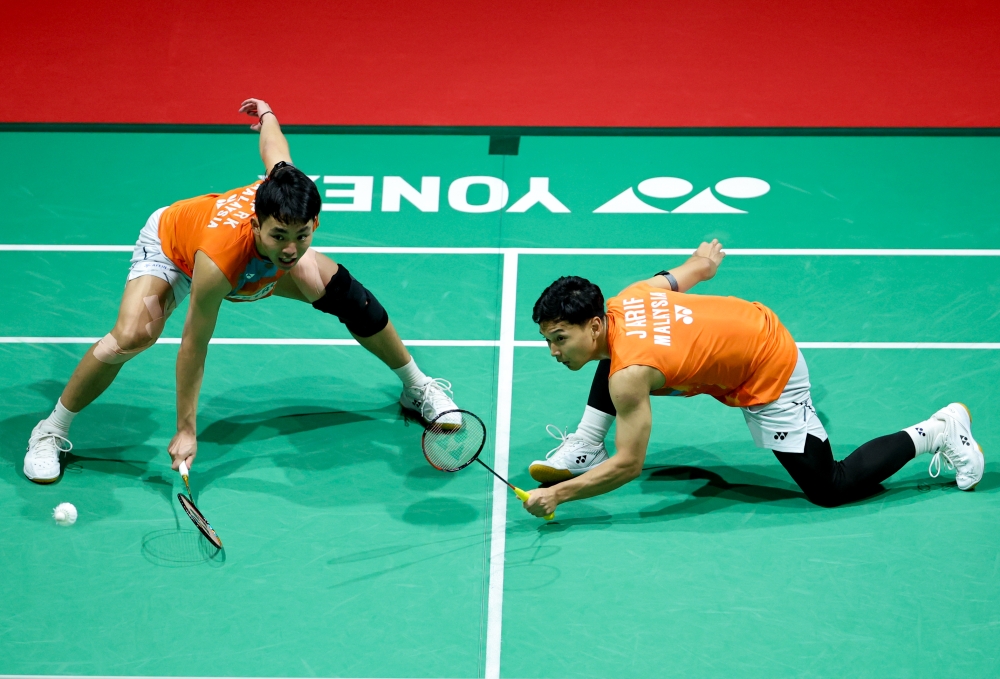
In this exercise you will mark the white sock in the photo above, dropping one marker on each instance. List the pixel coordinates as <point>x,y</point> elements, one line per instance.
<point>925,435</point>
<point>411,375</point>
<point>594,425</point>
<point>60,419</point>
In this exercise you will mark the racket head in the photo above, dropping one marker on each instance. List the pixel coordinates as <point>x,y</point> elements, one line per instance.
<point>199,520</point>
<point>450,446</point>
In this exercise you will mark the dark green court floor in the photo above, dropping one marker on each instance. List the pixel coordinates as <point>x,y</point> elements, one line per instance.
<point>347,555</point>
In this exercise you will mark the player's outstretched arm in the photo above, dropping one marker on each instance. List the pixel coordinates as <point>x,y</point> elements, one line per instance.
<point>273,145</point>
<point>701,266</point>
<point>209,287</point>
<point>630,393</point>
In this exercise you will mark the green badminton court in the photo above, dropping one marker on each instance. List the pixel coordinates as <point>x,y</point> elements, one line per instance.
<point>347,555</point>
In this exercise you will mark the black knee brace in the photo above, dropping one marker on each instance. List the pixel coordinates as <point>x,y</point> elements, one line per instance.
<point>349,301</point>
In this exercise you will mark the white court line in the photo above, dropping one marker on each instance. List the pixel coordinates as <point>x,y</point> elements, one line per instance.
<point>498,540</point>
<point>779,252</point>
<point>537,344</point>
<point>270,341</point>
<point>848,345</point>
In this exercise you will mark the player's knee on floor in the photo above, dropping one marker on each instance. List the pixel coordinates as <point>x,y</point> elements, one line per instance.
<point>353,304</point>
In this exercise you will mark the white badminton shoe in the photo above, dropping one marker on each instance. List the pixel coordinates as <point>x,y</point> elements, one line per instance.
<point>956,445</point>
<point>573,456</point>
<point>430,400</point>
<point>41,462</point>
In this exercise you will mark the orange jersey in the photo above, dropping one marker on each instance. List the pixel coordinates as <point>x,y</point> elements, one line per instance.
<point>218,224</point>
<point>736,351</point>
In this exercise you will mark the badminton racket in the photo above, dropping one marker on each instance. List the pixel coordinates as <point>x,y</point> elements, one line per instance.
<point>199,520</point>
<point>451,446</point>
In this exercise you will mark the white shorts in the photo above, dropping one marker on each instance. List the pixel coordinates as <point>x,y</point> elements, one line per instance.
<point>148,259</point>
<point>782,425</point>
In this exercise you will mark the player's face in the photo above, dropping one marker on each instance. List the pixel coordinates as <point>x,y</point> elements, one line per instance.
<point>572,345</point>
<point>284,244</point>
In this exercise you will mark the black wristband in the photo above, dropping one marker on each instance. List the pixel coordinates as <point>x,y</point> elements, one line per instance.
<point>670,279</point>
<point>261,116</point>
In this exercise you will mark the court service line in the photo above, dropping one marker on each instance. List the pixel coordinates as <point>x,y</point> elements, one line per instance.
<point>759,252</point>
<point>269,341</point>
<point>537,344</point>
<point>498,539</point>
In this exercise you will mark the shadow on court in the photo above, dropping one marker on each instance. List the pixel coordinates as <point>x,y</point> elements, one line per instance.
<point>115,448</point>
<point>284,421</point>
<point>180,548</point>
<point>695,491</point>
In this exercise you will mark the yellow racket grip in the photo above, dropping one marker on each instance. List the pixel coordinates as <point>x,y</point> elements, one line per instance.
<point>523,497</point>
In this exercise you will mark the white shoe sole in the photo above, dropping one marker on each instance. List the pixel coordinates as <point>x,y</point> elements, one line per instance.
<point>976,444</point>
<point>446,426</point>
<point>546,474</point>
<point>39,480</point>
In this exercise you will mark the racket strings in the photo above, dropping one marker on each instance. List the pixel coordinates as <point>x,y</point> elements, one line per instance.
<point>450,448</point>
<point>199,520</point>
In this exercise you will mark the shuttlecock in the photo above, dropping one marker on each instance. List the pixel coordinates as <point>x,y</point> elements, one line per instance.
<point>64,514</point>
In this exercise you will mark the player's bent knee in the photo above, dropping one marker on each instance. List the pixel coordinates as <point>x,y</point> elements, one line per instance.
<point>828,498</point>
<point>108,350</point>
<point>353,304</point>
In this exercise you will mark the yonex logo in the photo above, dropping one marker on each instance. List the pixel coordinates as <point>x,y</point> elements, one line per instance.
<point>780,436</point>
<point>683,315</point>
<point>482,194</point>
<point>965,441</point>
<point>580,459</point>
<point>704,202</point>
<point>920,430</point>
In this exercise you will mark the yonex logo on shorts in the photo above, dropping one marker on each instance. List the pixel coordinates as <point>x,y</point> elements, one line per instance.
<point>780,436</point>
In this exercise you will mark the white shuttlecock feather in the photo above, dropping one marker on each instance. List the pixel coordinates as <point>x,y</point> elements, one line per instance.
<point>64,514</point>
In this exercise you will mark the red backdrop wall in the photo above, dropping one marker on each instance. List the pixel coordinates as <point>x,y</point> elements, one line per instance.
<point>559,63</point>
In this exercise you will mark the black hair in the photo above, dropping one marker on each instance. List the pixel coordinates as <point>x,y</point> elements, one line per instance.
<point>288,195</point>
<point>571,299</point>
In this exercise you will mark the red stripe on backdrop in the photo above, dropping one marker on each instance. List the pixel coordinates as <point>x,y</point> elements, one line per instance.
<point>647,63</point>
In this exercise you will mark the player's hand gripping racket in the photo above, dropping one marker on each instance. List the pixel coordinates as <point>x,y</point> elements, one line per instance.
<point>187,502</point>
<point>450,446</point>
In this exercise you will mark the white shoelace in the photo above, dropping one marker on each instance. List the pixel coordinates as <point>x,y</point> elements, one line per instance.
<point>563,438</point>
<point>48,445</point>
<point>934,468</point>
<point>438,394</point>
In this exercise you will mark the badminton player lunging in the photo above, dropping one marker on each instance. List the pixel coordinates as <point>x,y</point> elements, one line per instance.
<point>656,339</point>
<point>241,245</point>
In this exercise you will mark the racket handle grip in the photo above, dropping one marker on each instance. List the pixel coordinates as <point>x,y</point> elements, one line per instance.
<point>183,469</point>
<point>523,497</point>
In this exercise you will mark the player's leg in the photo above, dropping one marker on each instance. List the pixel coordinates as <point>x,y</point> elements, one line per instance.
<point>145,306</point>
<point>827,482</point>
<point>584,449</point>
<point>830,483</point>
<point>153,289</point>
<point>791,428</point>
<point>331,288</point>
